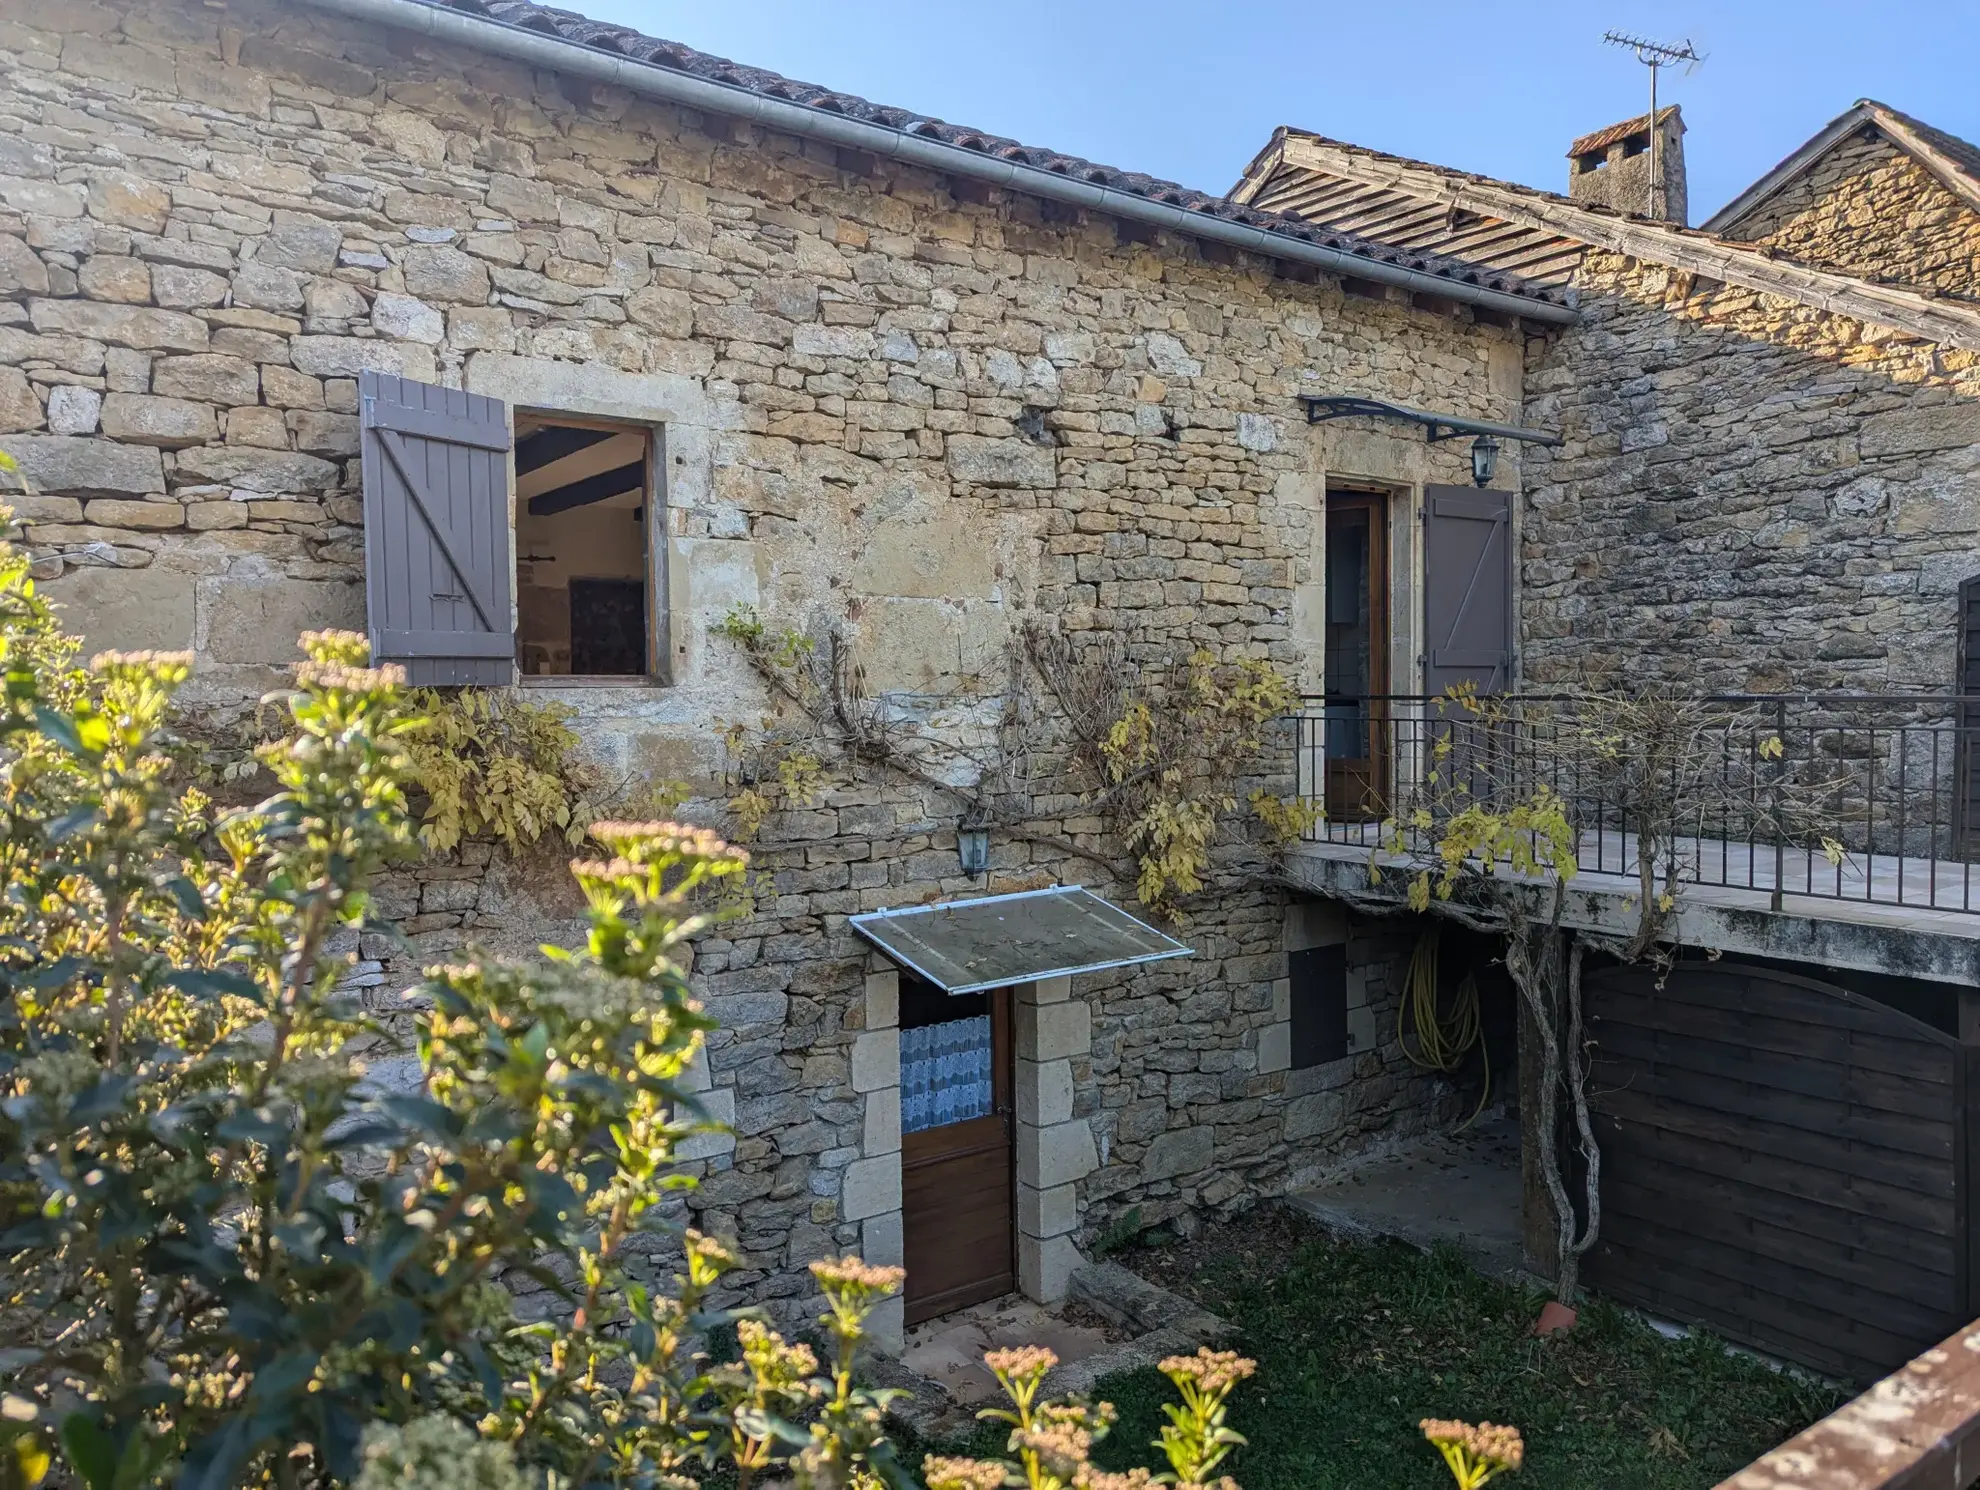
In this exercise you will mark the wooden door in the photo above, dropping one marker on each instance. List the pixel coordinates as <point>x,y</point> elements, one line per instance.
<point>1782,1161</point>
<point>958,1171</point>
<point>1357,672</point>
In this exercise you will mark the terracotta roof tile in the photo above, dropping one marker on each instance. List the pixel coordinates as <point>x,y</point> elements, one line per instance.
<point>1602,139</point>
<point>624,41</point>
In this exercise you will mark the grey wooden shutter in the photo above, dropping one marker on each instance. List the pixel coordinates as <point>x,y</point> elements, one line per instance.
<point>436,531</point>
<point>1467,588</point>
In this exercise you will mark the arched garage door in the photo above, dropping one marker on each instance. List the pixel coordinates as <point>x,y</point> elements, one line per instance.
<point>1781,1162</point>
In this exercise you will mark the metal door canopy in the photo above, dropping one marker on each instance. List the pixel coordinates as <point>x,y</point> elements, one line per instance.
<point>966,946</point>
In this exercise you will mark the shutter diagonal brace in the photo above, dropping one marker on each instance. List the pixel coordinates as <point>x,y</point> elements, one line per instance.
<point>388,441</point>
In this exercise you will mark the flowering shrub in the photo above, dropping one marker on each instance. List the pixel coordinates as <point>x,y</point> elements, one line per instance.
<point>1051,1442</point>
<point>1475,1454</point>
<point>233,1253</point>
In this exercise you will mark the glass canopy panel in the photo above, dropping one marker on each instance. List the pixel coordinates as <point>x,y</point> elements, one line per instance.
<point>965,946</point>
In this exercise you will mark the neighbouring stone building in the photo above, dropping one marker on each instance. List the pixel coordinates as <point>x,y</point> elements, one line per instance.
<point>1875,194</point>
<point>1764,486</point>
<point>906,387</point>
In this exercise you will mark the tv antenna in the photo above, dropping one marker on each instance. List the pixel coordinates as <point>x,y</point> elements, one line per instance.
<point>1653,55</point>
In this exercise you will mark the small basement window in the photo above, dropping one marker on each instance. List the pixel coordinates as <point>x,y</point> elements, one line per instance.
<point>1319,1006</point>
<point>584,593</point>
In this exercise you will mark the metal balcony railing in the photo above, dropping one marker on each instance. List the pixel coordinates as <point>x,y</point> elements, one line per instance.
<point>1855,797</point>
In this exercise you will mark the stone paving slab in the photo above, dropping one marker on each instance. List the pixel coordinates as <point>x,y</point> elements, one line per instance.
<point>1461,1188</point>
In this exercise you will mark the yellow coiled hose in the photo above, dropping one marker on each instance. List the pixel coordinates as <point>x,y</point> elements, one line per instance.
<point>1443,1039</point>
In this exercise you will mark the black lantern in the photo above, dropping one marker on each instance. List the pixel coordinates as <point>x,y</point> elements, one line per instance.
<point>1484,459</point>
<point>973,847</point>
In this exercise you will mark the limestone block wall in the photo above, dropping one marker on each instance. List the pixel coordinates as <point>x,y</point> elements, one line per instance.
<point>1869,208</point>
<point>889,401</point>
<point>1752,496</point>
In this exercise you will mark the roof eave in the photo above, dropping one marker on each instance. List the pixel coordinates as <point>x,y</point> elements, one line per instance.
<point>1260,170</point>
<point>1946,322</point>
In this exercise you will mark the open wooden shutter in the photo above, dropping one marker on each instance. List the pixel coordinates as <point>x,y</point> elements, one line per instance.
<point>436,531</point>
<point>1467,588</point>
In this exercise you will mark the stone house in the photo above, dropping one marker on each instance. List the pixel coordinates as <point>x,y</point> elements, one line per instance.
<point>543,348</point>
<point>286,284</point>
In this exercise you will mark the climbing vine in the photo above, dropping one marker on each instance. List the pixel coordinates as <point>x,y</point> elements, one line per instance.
<point>1173,754</point>
<point>1485,839</point>
<point>774,765</point>
<point>491,763</point>
<point>1168,757</point>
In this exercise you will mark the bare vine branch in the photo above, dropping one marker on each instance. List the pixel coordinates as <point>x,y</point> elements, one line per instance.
<point>1158,753</point>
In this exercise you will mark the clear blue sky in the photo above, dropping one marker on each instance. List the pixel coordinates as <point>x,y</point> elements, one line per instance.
<point>1191,91</point>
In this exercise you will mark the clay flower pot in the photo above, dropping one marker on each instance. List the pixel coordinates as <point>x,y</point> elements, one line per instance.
<point>1555,1319</point>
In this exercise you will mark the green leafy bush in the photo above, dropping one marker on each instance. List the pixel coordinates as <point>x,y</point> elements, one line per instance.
<point>232,1254</point>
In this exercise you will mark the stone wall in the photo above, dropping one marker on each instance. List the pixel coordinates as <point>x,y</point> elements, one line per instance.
<point>1870,209</point>
<point>891,402</point>
<point>1752,496</point>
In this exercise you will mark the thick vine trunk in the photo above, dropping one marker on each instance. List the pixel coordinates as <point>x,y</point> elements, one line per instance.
<point>1545,965</point>
<point>1569,1275</point>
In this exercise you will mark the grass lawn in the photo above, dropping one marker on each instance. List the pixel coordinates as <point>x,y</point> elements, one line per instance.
<point>1357,1342</point>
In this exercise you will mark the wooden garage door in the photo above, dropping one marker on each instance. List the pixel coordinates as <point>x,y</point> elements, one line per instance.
<point>958,1171</point>
<point>1781,1163</point>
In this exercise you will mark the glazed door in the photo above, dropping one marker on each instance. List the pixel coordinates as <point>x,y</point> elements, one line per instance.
<point>1357,655</point>
<point>958,1175</point>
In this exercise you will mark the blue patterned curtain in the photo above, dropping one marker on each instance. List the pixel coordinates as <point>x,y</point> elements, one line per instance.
<point>945,1073</point>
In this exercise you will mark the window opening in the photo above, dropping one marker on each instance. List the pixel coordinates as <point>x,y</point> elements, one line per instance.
<point>1319,1005</point>
<point>584,596</point>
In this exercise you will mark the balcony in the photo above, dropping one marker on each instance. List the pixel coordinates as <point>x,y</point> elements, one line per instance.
<point>1843,808</point>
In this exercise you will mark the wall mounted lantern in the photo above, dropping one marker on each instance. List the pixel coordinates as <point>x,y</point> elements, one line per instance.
<point>1321,407</point>
<point>973,847</point>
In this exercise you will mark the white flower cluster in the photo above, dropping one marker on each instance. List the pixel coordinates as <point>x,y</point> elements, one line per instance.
<point>435,1453</point>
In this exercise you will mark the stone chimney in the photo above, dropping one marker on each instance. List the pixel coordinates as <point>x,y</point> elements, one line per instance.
<point>1611,168</point>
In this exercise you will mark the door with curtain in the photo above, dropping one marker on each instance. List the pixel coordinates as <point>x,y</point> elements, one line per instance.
<point>958,1171</point>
